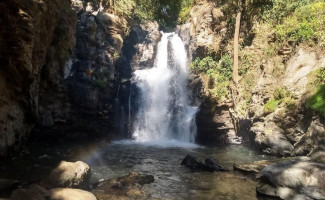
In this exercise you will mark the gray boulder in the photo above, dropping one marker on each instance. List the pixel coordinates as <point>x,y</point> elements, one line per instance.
<point>295,179</point>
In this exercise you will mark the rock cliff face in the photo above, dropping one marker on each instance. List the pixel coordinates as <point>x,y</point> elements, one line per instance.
<point>139,52</point>
<point>29,28</point>
<point>290,130</point>
<point>84,91</point>
<point>57,71</point>
<point>294,131</point>
<point>207,29</point>
<point>203,35</point>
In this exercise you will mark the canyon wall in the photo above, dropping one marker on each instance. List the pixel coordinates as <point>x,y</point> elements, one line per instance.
<point>29,29</point>
<point>293,128</point>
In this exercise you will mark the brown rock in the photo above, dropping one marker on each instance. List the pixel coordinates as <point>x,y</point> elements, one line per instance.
<point>125,187</point>
<point>26,194</point>
<point>207,27</point>
<point>71,194</point>
<point>68,174</point>
<point>30,27</point>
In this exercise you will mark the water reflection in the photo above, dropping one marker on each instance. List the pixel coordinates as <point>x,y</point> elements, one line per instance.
<point>172,181</point>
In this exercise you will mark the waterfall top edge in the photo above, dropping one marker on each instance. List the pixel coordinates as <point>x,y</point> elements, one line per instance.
<point>159,144</point>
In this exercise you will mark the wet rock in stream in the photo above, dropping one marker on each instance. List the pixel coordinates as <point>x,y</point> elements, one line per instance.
<point>127,187</point>
<point>68,174</point>
<point>209,165</point>
<point>257,166</point>
<point>37,192</point>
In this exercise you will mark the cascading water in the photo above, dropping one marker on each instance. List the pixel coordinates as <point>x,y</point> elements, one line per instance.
<point>164,111</point>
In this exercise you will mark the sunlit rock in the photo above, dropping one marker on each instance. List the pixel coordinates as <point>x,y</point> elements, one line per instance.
<point>71,194</point>
<point>291,179</point>
<point>68,174</point>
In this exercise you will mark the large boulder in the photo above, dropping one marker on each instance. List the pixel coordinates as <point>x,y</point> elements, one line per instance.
<point>71,194</point>
<point>296,179</point>
<point>313,141</point>
<point>37,192</point>
<point>32,192</point>
<point>68,174</point>
<point>271,139</point>
<point>209,165</point>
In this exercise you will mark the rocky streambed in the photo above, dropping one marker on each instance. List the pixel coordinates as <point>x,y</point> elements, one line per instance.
<point>128,170</point>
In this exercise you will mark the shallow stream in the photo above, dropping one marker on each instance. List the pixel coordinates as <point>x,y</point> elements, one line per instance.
<point>172,181</point>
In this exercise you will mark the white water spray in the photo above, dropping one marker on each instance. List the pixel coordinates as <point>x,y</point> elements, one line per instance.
<point>164,112</point>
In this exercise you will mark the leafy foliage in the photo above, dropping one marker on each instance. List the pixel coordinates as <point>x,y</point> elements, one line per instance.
<point>281,95</point>
<point>307,23</point>
<point>202,65</point>
<point>225,67</point>
<point>184,14</point>
<point>320,76</point>
<point>220,73</point>
<point>166,12</point>
<point>271,106</point>
<point>317,101</point>
<point>124,7</point>
<point>245,63</point>
<point>280,9</point>
<point>185,11</point>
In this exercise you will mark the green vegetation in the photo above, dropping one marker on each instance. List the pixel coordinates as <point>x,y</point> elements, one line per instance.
<point>320,76</point>
<point>281,95</point>
<point>124,8</point>
<point>297,21</point>
<point>185,11</point>
<point>279,9</point>
<point>306,23</point>
<point>317,101</point>
<point>219,73</point>
<point>271,106</point>
<point>245,63</point>
<point>184,14</point>
<point>100,83</point>
<point>316,78</point>
<point>100,78</point>
<point>202,65</point>
<point>166,12</point>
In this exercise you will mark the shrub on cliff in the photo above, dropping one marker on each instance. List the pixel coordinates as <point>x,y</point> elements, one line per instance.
<point>307,23</point>
<point>317,101</point>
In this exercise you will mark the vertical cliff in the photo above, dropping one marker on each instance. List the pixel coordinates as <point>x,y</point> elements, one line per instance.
<point>29,28</point>
<point>57,69</point>
<point>269,108</point>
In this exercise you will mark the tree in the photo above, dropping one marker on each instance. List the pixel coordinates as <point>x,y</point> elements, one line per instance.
<point>236,42</point>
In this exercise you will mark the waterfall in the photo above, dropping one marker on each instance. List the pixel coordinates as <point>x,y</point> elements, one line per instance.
<point>164,112</point>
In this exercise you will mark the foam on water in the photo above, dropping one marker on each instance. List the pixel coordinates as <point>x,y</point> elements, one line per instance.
<point>159,144</point>
<point>165,116</point>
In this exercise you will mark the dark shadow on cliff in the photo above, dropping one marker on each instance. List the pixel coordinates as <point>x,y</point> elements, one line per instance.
<point>210,122</point>
<point>124,88</point>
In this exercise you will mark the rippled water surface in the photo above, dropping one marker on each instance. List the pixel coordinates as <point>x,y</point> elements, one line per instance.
<point>172,181</point>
